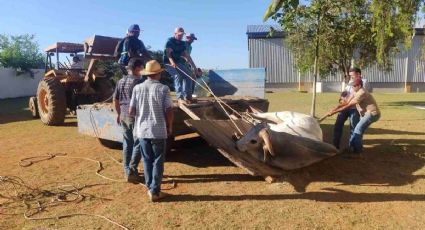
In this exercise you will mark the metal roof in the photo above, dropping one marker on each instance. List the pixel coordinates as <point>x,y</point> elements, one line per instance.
<point>65,47</point>
<point>263,31</point>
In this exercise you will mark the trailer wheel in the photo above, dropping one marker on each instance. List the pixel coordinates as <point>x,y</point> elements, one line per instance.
<point>110,144</point>
<point>32,105</point>
<point>51,101</point>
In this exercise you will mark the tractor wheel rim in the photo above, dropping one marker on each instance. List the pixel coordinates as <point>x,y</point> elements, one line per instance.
<point>44,101</point>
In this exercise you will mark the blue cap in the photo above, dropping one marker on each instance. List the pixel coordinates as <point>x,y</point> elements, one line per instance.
<point>134,27</point>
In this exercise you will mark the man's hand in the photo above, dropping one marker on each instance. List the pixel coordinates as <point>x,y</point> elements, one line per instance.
<point>173,64</point>
<point>169,131</point>
<point>331,112</point>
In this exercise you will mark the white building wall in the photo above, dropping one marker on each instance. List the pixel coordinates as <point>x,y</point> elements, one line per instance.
<point>12,86</point>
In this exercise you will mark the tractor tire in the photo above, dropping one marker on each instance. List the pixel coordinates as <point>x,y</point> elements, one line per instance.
<point>104,89</point>
<point>51,101</point>
<point>32,105</point>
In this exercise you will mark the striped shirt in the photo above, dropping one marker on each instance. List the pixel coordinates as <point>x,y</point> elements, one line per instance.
<point>123,91</point>
<point>150,100</point>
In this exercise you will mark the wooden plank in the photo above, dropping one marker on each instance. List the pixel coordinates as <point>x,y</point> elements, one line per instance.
<point>189,112</point>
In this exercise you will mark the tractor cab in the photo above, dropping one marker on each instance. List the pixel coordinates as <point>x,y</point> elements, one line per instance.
<point>72,78</point>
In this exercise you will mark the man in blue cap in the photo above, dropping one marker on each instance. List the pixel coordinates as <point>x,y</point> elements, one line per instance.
<point>132,47</point>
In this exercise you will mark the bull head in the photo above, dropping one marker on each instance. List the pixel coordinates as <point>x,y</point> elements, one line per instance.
<point>257,139</point>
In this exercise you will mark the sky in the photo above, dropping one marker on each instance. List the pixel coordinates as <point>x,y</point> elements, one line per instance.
<point>220,25</point>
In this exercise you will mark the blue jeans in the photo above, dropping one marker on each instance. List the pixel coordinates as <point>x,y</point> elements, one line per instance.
<point>153,151</point>
<point>356,139</point>
<point>182,83</point>
<point>130,148</point>
<point>354,117</point>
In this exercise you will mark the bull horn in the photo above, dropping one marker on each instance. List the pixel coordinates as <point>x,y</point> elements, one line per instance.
<point>267,141</point>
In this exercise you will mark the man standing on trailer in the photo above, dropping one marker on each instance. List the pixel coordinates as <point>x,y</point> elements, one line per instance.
<point>175,57</point>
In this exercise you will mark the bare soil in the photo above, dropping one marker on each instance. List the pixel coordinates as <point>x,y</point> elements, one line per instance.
<point>384,190</point>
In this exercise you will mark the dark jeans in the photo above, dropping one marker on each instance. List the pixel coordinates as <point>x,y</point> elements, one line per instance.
<point>356,139</point>
<point>153,151</point>
<point>182,83</point>
<point>130,148</point>
<point>354,117</point>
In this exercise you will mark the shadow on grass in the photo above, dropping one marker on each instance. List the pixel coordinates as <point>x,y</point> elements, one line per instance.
<point>14,110</point>
<point>196,153</point>
<point>330,195</point>
<point>387,163</point>
<point>403,103</point>
<point>208,178</point>
<point>328,132</point>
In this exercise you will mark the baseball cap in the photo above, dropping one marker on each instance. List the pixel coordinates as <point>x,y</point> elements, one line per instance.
<point>192,35</point>
<point>134,27</point>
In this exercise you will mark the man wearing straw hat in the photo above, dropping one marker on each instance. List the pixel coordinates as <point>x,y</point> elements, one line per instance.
<point>152,107</point>
<point>175,57</point>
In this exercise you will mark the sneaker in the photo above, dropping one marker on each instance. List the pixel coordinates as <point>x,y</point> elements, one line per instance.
<point>150,195</point>
<point>157,197</point>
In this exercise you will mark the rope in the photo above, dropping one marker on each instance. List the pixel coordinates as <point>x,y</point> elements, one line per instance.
<point>219,101</point>
<point>76,214</point>
<point>45,198</point>
<point>97,134</point>
<point>26,162</point>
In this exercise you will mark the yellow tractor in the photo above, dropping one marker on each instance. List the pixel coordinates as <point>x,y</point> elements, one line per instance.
<point>68,84</point>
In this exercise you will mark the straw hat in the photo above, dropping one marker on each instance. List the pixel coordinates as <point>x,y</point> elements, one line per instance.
<point>152,67</point>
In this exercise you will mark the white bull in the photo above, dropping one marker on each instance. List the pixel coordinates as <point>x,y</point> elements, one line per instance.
<point>294,123</point>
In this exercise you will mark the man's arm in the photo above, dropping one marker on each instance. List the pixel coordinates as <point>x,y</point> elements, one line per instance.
<point>189,59</point>
<point>170,58</point>
<point>133,102</point>
<point>117,109</point>
<point>116,103</point>
<point>343,105</point>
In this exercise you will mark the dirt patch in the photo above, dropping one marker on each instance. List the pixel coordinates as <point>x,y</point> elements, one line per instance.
<point>383,190</point>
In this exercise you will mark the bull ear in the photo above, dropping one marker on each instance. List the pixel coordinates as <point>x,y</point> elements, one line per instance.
<point>267,141</point>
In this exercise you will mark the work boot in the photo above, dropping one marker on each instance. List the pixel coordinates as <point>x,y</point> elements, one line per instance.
<point>192,100</point>
<point>157,197</point>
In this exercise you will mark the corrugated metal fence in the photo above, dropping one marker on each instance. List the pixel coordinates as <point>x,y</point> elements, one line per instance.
<point>272,54</point>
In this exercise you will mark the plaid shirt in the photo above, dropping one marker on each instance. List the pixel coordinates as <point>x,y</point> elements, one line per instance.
<point>151,99</point>
<point>123,92</point>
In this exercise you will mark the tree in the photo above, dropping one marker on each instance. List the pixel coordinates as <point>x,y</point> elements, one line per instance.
<point>329,34</point>
<point>21,53</point>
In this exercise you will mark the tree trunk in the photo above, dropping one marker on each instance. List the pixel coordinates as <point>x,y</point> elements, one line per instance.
<point>316,69</point>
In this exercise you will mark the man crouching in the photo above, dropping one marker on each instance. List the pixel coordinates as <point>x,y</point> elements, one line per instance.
<point>152,107</point>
